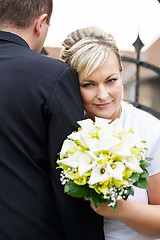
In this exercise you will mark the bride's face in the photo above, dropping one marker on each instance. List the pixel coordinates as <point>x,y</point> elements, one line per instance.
<point>102,90</point>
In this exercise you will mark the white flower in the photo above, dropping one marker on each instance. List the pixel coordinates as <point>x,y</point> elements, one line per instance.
<point>95,157</point>
<point>107,142</point>
<point>111,128</point>
<point>68,145</point>
<point>87,125</point>
<point>99,174</point>
<point>107,133</point>
<point>118,128</point>
<point>122,150</point>
<point>71,161</point>
<point>93,145</point>
<point>117,172</point>
<point>105,127</point>
<point>86,163</point>
<point>133,164</point>
<point>75,136</point>
<point>102,122</point>
<point>87,140</point>
<point>140,144</point>
<point>130,140</point>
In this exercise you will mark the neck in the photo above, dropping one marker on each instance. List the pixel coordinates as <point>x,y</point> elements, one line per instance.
<point>26,34</point>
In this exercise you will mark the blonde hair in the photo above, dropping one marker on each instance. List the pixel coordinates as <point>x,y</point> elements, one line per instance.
<point>87,48</point>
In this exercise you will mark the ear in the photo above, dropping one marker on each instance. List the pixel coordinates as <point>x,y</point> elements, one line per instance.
<point>39,23</point>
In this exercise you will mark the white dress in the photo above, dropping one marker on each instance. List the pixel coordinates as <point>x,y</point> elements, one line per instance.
<point>148,128</point>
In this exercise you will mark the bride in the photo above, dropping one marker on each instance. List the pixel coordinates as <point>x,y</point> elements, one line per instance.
<point>94,55</point>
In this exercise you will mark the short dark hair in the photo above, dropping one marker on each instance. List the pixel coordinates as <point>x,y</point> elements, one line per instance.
<point>21,13</point>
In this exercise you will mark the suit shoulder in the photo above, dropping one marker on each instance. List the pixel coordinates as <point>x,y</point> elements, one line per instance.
<point>44,61</point>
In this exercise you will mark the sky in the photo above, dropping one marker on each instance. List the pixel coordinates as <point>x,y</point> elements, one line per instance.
<point>124,19</point>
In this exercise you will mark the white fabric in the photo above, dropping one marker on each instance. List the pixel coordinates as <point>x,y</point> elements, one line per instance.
<point>148,128</point>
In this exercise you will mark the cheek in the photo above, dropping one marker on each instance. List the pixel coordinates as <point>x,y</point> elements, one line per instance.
<point>117,91</point>
<point>87,96</point>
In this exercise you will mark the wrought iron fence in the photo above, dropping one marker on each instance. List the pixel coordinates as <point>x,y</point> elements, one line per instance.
<point>138,46</point>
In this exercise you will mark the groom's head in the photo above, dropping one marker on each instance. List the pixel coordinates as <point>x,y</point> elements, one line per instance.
<point>22,13</point>
<point>27,18</point>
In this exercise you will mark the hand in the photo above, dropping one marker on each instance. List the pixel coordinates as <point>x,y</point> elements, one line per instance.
<point>103,210</point>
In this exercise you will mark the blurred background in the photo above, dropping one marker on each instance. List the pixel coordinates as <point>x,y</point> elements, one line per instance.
<point>135,27</point>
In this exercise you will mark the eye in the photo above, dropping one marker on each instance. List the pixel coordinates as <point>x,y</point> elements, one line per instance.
<point>111,80</point>
<point>86,85</point>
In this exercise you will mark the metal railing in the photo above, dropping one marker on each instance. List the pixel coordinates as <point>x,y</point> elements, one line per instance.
<point>138,46</point>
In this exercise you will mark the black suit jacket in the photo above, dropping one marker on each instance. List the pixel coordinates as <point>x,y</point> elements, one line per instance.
<point>40,104</point>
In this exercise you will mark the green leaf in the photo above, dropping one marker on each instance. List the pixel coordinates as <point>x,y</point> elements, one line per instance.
<point>148,159</point>
<point>130,191</point>
<point>115,207</point>
<point>83,191</point>
<point>77,191</point>
<point>144,174</point>
<point>141,183</point>
<point>95,197</point>
<point>135,176</point>
<point>145,163</point>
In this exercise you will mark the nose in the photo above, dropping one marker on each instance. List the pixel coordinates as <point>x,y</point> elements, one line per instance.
<point>102,92</point>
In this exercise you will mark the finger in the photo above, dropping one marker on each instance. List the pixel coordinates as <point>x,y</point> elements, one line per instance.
<point>92,205</point>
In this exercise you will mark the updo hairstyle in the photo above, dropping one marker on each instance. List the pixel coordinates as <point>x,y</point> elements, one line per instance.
<point>88,48</point>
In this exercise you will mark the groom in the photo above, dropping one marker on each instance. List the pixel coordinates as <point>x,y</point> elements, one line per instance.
<point>40,104</point>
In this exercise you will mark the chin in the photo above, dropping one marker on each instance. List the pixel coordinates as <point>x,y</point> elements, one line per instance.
<point>105,115</point>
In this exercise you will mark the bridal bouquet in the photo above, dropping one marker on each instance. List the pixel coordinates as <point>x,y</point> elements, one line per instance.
<point>101,162</point>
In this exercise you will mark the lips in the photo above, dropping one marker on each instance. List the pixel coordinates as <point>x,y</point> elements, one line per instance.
<point>102,105</point>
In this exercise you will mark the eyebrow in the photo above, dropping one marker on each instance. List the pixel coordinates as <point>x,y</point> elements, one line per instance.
<point>87,80</point>
<point>91,81</point>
